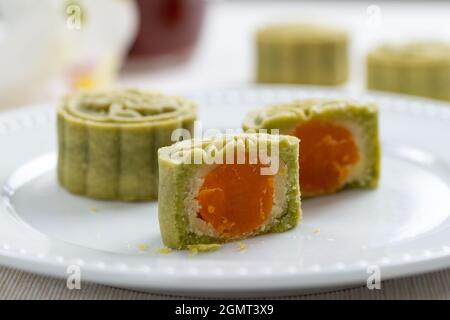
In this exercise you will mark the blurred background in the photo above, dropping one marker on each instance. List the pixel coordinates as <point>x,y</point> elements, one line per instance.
<point>49,47</point>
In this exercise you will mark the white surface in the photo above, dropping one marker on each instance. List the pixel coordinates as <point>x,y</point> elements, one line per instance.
<point>402,227</point>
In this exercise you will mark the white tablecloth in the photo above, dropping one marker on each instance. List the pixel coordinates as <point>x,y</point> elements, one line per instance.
<point>15,284</point>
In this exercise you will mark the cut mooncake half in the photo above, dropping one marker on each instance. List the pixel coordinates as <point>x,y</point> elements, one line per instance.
<point>415,68</point>
<point>108,141</point>
<point>227,187</point>
<point>339,144</point>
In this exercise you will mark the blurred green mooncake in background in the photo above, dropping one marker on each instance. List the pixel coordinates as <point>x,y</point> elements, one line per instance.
<point>108,141</point>
<point>302,54</point>
<point>416,68</point>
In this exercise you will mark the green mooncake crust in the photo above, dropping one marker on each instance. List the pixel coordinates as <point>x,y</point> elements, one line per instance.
<point>179,174</point>
<point>302,54</point>
<point>360,118</point>
<point>108,141</point>
<point>418,68</point>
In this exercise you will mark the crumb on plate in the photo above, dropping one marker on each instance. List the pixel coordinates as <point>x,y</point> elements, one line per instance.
<point>164,250</point>
<point>143,247</point>
<point>242,246</point>
<point>201,248</point>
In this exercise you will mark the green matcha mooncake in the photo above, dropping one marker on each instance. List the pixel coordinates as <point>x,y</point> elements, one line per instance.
<point>108,141</point>
<point>227,187</point>
<point>339,144</point>
<point>419,68</point>
<point>302,54</point>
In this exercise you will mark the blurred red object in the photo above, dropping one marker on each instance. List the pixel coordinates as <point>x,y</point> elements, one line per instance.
<point>167,27</point>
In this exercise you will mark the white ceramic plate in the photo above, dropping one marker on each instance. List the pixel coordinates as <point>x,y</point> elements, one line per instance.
<point>403,227</point>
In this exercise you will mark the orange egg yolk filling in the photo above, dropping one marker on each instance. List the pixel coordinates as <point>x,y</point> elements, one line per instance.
<point>236,199</point>
<point>327,150</point>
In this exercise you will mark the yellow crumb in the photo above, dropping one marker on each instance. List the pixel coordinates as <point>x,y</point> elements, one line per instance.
<point>164,250</point>
<point>201,248</point>
<point>143,247</point>
<point>317,230</point>
<point>242,246</point>
<point>211,209</point>
<point>93,209</point>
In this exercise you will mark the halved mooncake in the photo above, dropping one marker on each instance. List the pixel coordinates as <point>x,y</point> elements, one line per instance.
<point>416,68</point>
<point>108,141</point>
<point>227,187</point>
<point>339,144</point>
<point>302,54</point>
